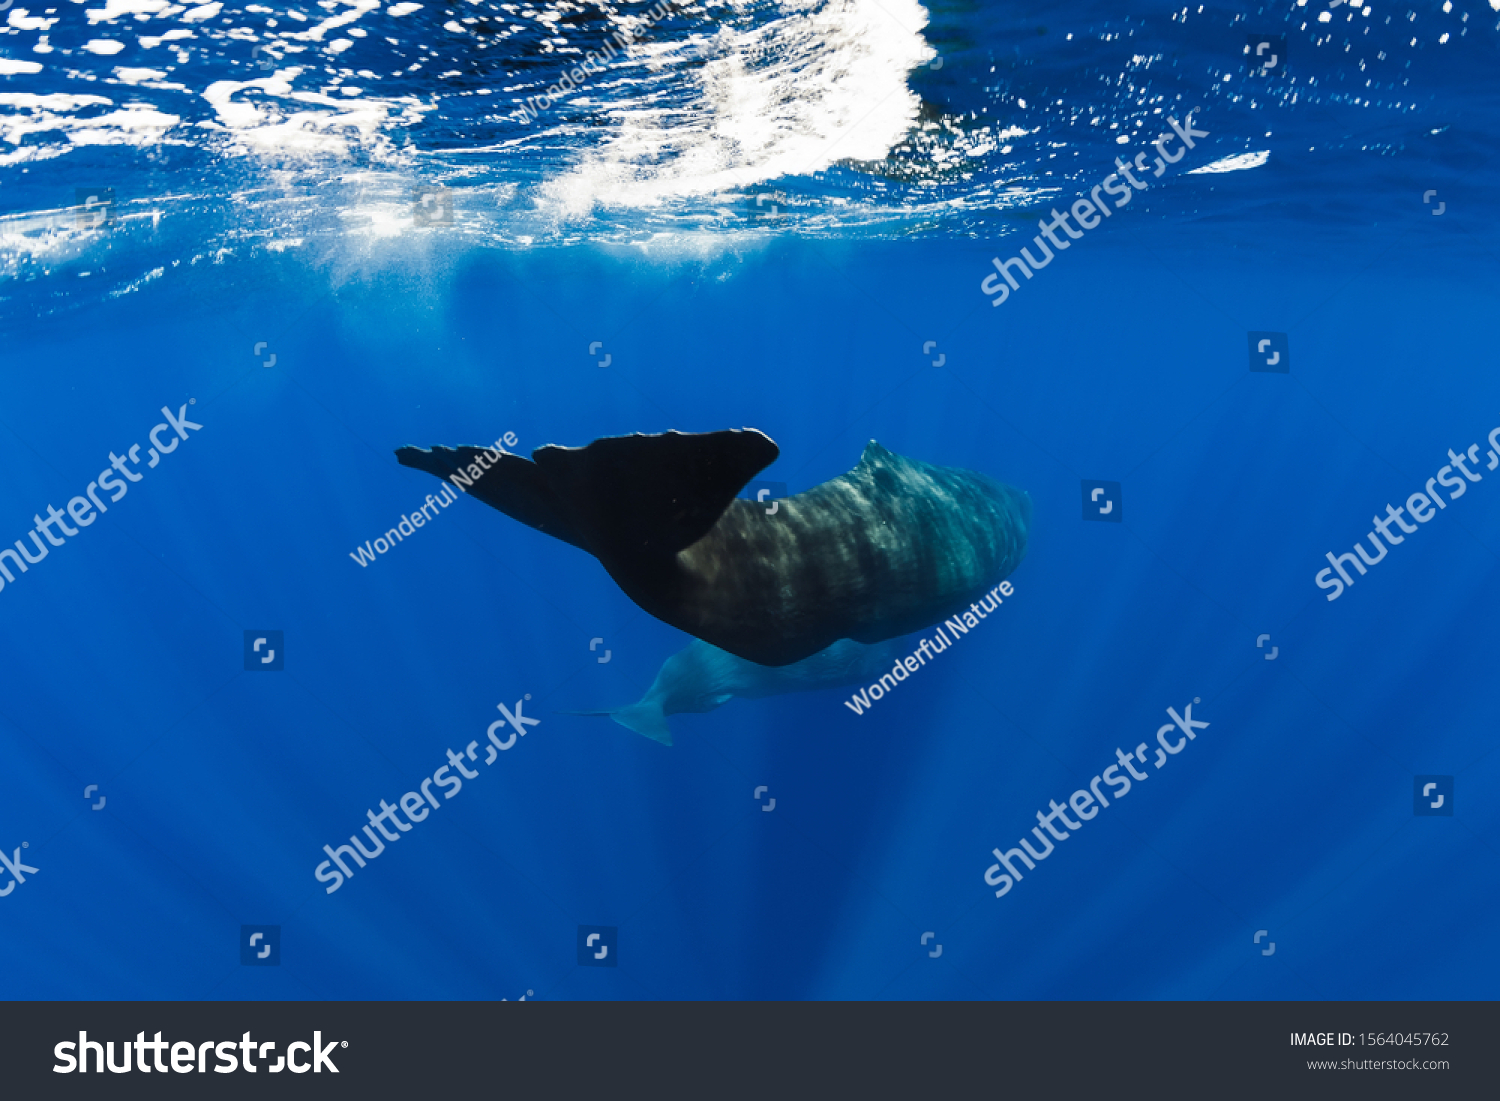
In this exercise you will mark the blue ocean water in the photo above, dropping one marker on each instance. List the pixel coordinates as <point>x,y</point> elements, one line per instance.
<point>328,231</point>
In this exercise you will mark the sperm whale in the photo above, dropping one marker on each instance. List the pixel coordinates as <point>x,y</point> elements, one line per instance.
<point>888,548</point>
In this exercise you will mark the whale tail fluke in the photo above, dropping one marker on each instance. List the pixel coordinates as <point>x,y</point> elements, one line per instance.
<point>645,718</point>
<point>647,496</point>
<point>621,497</point>
<point>506,482</point>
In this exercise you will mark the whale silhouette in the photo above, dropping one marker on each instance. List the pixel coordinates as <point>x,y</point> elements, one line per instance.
<point>891,547</point>
<point>701,677</point>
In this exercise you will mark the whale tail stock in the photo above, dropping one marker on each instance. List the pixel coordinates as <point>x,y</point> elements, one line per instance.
<point>618,497</point>
<point>645,718</point>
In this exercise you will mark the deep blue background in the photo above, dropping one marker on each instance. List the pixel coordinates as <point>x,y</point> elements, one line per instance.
<point>1124,361</point>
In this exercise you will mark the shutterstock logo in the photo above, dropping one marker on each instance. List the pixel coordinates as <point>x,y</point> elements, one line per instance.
<point>417,804</point>
<point>190,1057</point>
<point>16,869</point>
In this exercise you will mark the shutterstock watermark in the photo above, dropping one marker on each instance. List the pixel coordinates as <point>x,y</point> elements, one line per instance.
<point>1083,801</point>
<point>1088,212</point>
<point>83,510</point>
<point>1421,507</point>
<point>418,804</point>
<point>190,1057</point>
<point>16,869</point>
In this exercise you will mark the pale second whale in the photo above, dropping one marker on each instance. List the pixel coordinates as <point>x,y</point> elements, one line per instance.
<point>701,677</point>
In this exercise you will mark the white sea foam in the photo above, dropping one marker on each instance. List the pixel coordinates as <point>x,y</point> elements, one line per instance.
<point>55,101</point>
<point>61,115</point>
<point>202,13</point>
<point>825,82</point>
<point>22,20</point>
<point>136,124</point>
<point>113,9</point>
<point>302,128</point>
<point>28,153</point>
<point>150,42</point>
<point>703,104</point>
<point>359,7</point>
<point>1236,163</point>
<point>138,76</point>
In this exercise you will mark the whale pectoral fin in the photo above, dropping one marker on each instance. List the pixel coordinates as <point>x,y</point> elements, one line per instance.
<point>643,718</point>
<point>511,484</point>
<point>653,495</point>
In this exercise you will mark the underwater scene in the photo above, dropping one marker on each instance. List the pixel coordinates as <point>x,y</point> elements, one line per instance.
<point>761,499</point>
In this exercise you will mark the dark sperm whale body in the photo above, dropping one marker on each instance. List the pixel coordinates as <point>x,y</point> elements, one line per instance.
<point>702,677</point>
<point>891,547</point>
